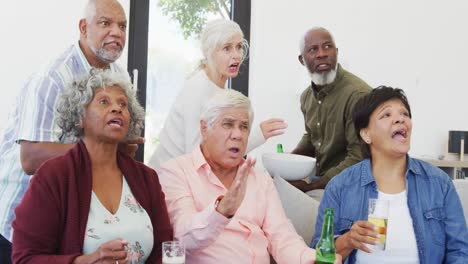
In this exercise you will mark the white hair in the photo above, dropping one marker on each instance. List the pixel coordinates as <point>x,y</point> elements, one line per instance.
<point>224,100</point>
<point>215,34</point>
<point>302,40</point>
<point>90,11</point>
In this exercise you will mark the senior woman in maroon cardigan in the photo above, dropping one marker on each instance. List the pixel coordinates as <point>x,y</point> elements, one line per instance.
<point>94,204</point>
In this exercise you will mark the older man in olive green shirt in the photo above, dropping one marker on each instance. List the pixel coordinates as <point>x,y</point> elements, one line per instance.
<point>327,106</point>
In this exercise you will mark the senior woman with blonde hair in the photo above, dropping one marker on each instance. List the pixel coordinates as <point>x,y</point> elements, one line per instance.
<point>224,49</point>
<point>425,218</point>
<point>221,208</point>
<point>94,204</point>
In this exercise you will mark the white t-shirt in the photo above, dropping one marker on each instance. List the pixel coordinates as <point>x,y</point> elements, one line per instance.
<point>181,132</point>
<point>130,222</point>
<point>401,247</point>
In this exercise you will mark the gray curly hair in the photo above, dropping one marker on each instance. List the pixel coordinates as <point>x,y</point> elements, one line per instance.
<point>78,95</point>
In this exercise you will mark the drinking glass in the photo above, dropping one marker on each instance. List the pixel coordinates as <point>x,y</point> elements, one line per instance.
<point>378,216</point>
<point>173,252</point>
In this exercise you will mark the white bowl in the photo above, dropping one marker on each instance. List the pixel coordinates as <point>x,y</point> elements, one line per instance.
<point>288,166</point>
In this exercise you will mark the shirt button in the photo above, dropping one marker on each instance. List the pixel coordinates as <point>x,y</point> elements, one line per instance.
<point>318,124</point>
<point>319,102</point>
<point>318,164</point>
<point>318,144</point>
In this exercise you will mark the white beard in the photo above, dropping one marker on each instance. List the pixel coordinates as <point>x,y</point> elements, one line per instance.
<point>324,78</point>
<point>104,55</point>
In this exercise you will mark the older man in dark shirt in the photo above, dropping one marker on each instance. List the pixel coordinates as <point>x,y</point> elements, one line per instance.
<point>327,105</point>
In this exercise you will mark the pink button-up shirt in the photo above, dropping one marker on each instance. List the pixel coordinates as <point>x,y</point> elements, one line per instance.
<point>259,226</point>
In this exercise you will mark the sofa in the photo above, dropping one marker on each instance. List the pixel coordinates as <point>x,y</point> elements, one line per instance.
<point>299,208</point>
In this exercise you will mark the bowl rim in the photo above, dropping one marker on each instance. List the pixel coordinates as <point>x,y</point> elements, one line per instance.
<point>303,157</point>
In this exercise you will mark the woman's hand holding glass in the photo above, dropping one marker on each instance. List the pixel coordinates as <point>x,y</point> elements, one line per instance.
<point>361,233</point>
<point>111,252</point>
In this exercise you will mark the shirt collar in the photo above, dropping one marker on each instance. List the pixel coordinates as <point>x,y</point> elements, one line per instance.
<point>203,168</point>
<point>326,89</point>
<point>199,160</point>
<point>367,176</point>
<point>412,166</point>
<point>82,57</point>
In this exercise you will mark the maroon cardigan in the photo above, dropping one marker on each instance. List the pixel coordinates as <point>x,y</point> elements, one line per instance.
<point>51,219</point>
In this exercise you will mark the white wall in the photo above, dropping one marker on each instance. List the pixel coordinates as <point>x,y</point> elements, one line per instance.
<point>33,33</point>
<point>419,46</point>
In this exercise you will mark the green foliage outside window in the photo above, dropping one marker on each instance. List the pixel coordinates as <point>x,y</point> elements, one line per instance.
<point>193,14</point>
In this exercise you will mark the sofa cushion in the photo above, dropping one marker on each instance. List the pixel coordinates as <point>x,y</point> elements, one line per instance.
<point>299,208</point>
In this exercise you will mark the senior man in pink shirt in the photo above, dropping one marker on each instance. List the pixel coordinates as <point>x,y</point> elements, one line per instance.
<point>221,208</point>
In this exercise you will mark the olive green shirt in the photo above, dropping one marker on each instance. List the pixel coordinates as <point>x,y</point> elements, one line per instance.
<point>328,116</point>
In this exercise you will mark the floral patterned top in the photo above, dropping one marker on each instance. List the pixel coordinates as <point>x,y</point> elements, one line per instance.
<point>130,222</point>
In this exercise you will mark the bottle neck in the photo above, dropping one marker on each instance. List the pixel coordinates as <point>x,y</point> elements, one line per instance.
<point>328,226</point>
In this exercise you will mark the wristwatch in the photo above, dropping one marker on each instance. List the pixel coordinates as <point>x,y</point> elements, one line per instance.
<point>217,203</point>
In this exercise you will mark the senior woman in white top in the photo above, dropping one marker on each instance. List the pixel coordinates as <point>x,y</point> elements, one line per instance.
<point>224,49</point>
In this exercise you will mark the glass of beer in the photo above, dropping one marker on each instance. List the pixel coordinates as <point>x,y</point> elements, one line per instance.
<point>173,252</point>
<point>378,216</point>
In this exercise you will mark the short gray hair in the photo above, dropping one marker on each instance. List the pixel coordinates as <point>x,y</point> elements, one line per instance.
<point>223,100</point>
<point>90,11</point>
<point>218,32</point>
<point>302,40</point>
<point>78,95</point>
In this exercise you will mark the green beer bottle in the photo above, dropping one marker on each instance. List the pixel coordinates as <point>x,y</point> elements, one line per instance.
<point>279,148</point>
<point>325,249</point>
